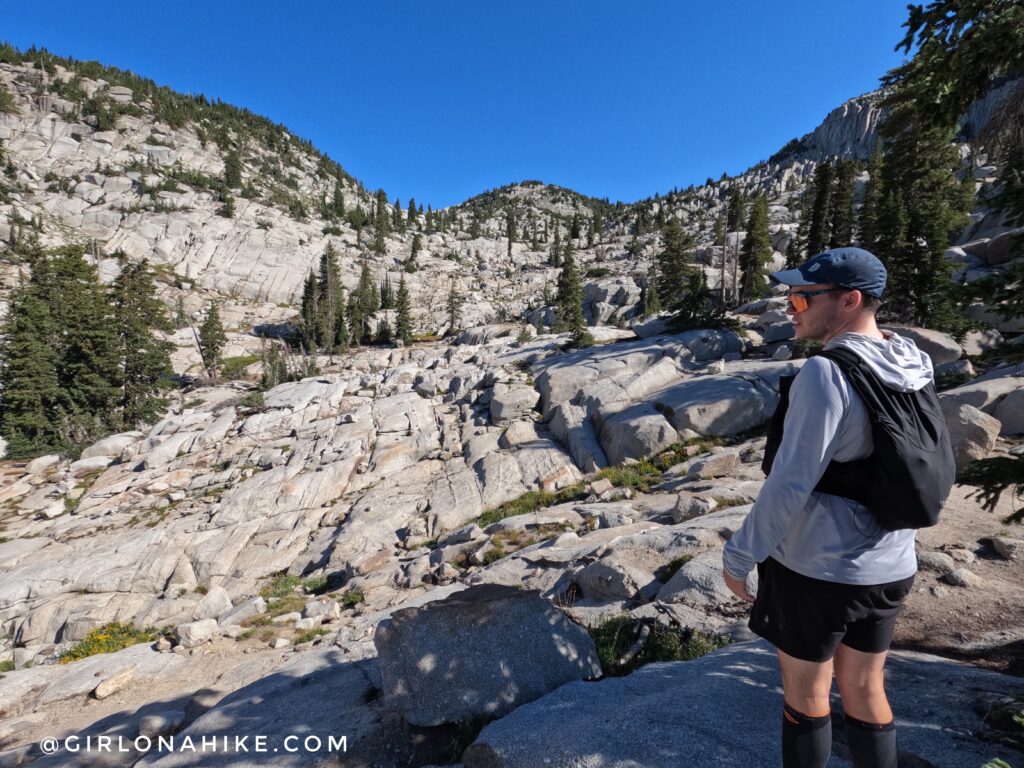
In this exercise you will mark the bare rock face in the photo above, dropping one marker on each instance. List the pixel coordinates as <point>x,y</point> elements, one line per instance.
<point>481,652</point>
<point>662,715</point>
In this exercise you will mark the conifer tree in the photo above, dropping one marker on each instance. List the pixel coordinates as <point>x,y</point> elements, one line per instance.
<point>510,228</point>
<point>867,219</point>
<point>397,220</point>
<point>145,360</point>
<point>453,305</point>
<point>737,209</point>
<point>429,220</point>
<point>384,333</point>
<point>32,405</point>
<point>382,224</point>
<point>555,257</point>
<point>841,205</point>
<point>309,311</point>
<point>212,340</point>
<point>673,266</point>
<point>410,215</point>
<point>651,301</point>
<point>403,320</point>
<point>574,227</point>
<point>569,300</point>
<point>232,170</point>
<point>88,367</point>
<point>328,304</point>
<point>819,232</point>
<point>338,201</point>
<point>756,252</point>
<point>597,225</point>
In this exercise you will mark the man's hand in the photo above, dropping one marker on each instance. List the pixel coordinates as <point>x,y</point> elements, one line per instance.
<point>738,587</point>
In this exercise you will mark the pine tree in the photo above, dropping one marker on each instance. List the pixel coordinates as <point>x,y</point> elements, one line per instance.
<point>820,231</point>
<point>212,340</point>
<point>841,205</point>
<point>429,220</point>
<point>397,220</point>
<point>756,252</point>
<point>555,257</point>
<point>338,202</point>
<point>867,218</point>
<point>454,305</point>
<point>737,209</point>
<point>232,170</point>
<point>673,266</point>
<point>328,303</point>
<point>145,359</point>
<point>382,224</point>
<point>308,312</point>
<point>404,315</point>
<point>88,368</point>
<point>411,213</point>
<point>32,407</point>
<point>651,302</point>
<point>597,225</point>
<point>574,227</point>
<point>569,301</point>
<point>384,332</point>
<point>510,228</point>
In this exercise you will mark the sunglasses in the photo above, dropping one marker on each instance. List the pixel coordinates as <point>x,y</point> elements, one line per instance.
<point>799,300</point>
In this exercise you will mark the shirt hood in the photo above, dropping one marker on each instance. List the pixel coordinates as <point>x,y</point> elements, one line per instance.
<point>896,360</point>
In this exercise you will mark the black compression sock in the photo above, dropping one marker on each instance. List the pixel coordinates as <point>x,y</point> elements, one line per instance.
<point>806,741</point>
<point>872,745</point>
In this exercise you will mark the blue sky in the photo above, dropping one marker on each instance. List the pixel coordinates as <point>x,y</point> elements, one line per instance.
<point>445,100</point>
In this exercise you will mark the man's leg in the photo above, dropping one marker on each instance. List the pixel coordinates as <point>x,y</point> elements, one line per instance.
<point>807,723</point>
<point>870,731</point>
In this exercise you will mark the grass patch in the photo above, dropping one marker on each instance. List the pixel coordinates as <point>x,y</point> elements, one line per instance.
<point>107,639</point>
<point>315,586</point>
<point>531,501</point>
<point>309,635</point>
<point>668,570</point>
<point>287,604</point>
<point>280,585</point>
<point>234,367</point>
<point>7,666</point>
<point>615,636</point>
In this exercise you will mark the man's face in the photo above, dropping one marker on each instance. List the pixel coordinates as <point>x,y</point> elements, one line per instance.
<point>821,318</point>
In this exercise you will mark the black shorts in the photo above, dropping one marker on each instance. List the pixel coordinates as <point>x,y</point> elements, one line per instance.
<point>808,618</point>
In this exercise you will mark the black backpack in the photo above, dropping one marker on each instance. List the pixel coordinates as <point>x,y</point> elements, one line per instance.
<point>906,480</point>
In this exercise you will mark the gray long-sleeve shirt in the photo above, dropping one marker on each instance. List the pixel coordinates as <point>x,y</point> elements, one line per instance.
<point>819,535</point>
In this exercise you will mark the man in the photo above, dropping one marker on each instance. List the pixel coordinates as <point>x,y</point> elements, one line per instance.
<point>830,580</point>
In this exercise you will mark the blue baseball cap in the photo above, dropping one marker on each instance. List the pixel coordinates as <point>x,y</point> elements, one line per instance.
<point>847,267</point>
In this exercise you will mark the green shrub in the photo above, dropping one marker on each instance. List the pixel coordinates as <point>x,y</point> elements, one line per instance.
<point>668,570</point>
<point>7,666</point>
<point>598,272</point>
<point>530,501</point>
<point>280,585</point>
<point>289,604</point>
<point>308,635</point>
<point>315,586</point>
<point>254,401</point>
<point>615,636</point>
<point>351,598</point>
<point>107,639</point>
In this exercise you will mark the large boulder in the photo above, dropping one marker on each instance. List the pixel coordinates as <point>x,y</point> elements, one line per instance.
<point>1010,413</point>
<point>972,432</point>
<point>513,402</point>
<point>481,652</point>
<point>711,712</point>
<point>636,433</point>
<point>940,347</point>
<point>714,405</point>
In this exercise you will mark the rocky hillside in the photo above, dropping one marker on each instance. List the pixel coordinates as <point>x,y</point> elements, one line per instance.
<point>409,546</point>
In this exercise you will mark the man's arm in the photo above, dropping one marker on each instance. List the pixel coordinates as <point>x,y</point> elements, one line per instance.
<point>816,406</point>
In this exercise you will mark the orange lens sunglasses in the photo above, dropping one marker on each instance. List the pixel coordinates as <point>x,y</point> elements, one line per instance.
<point>799,300</point>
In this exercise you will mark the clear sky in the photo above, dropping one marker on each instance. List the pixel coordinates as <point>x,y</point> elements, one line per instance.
<point>444,100</point>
